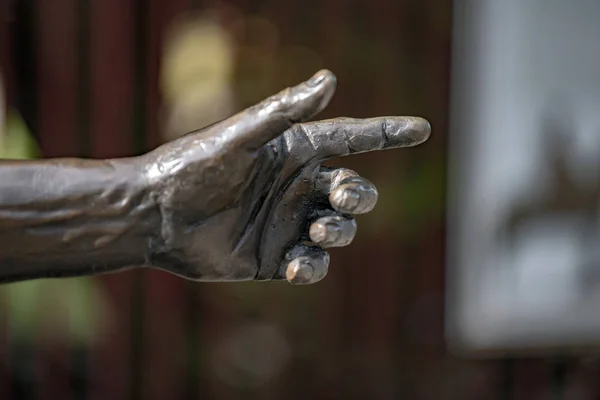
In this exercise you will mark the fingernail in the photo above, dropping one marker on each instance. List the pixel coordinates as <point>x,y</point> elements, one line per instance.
<point>317,79</point>
<point>407,131</point>
<point>326,234</point>
<point>321,76</point>
<point>299,272</point>
<point>347,199</point>
<point>318,232</point>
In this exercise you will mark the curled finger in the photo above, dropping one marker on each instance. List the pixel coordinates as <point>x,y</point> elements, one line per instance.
<point>348,192</point>
<point>333,231</point>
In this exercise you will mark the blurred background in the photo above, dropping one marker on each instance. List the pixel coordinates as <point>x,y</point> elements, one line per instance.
<point>109,78</point>
<point>524,178</point>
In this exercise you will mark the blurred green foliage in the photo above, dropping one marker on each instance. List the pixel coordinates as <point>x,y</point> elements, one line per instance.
<point>15,140</point>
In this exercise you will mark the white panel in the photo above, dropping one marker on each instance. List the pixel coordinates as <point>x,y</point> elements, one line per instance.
<point>525,147</point>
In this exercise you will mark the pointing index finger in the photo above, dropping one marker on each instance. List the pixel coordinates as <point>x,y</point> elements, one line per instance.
<point>345,136</point>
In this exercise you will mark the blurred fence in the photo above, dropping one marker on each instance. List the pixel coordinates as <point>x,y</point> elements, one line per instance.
<point>88,78</point>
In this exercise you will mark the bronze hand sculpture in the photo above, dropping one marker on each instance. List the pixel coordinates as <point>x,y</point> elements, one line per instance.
<point>243,199</point>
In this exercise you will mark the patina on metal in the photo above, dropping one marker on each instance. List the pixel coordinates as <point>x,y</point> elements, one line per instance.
<point>243,199</point>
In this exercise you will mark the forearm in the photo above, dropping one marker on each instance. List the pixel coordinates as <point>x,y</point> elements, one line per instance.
<point>70,217</point>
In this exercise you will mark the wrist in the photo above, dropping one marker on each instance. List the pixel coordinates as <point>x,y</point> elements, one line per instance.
<point>149,181</point>
<point>140,213</point>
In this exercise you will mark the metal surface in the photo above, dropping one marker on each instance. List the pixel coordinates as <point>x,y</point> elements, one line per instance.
<point>231,202</point>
